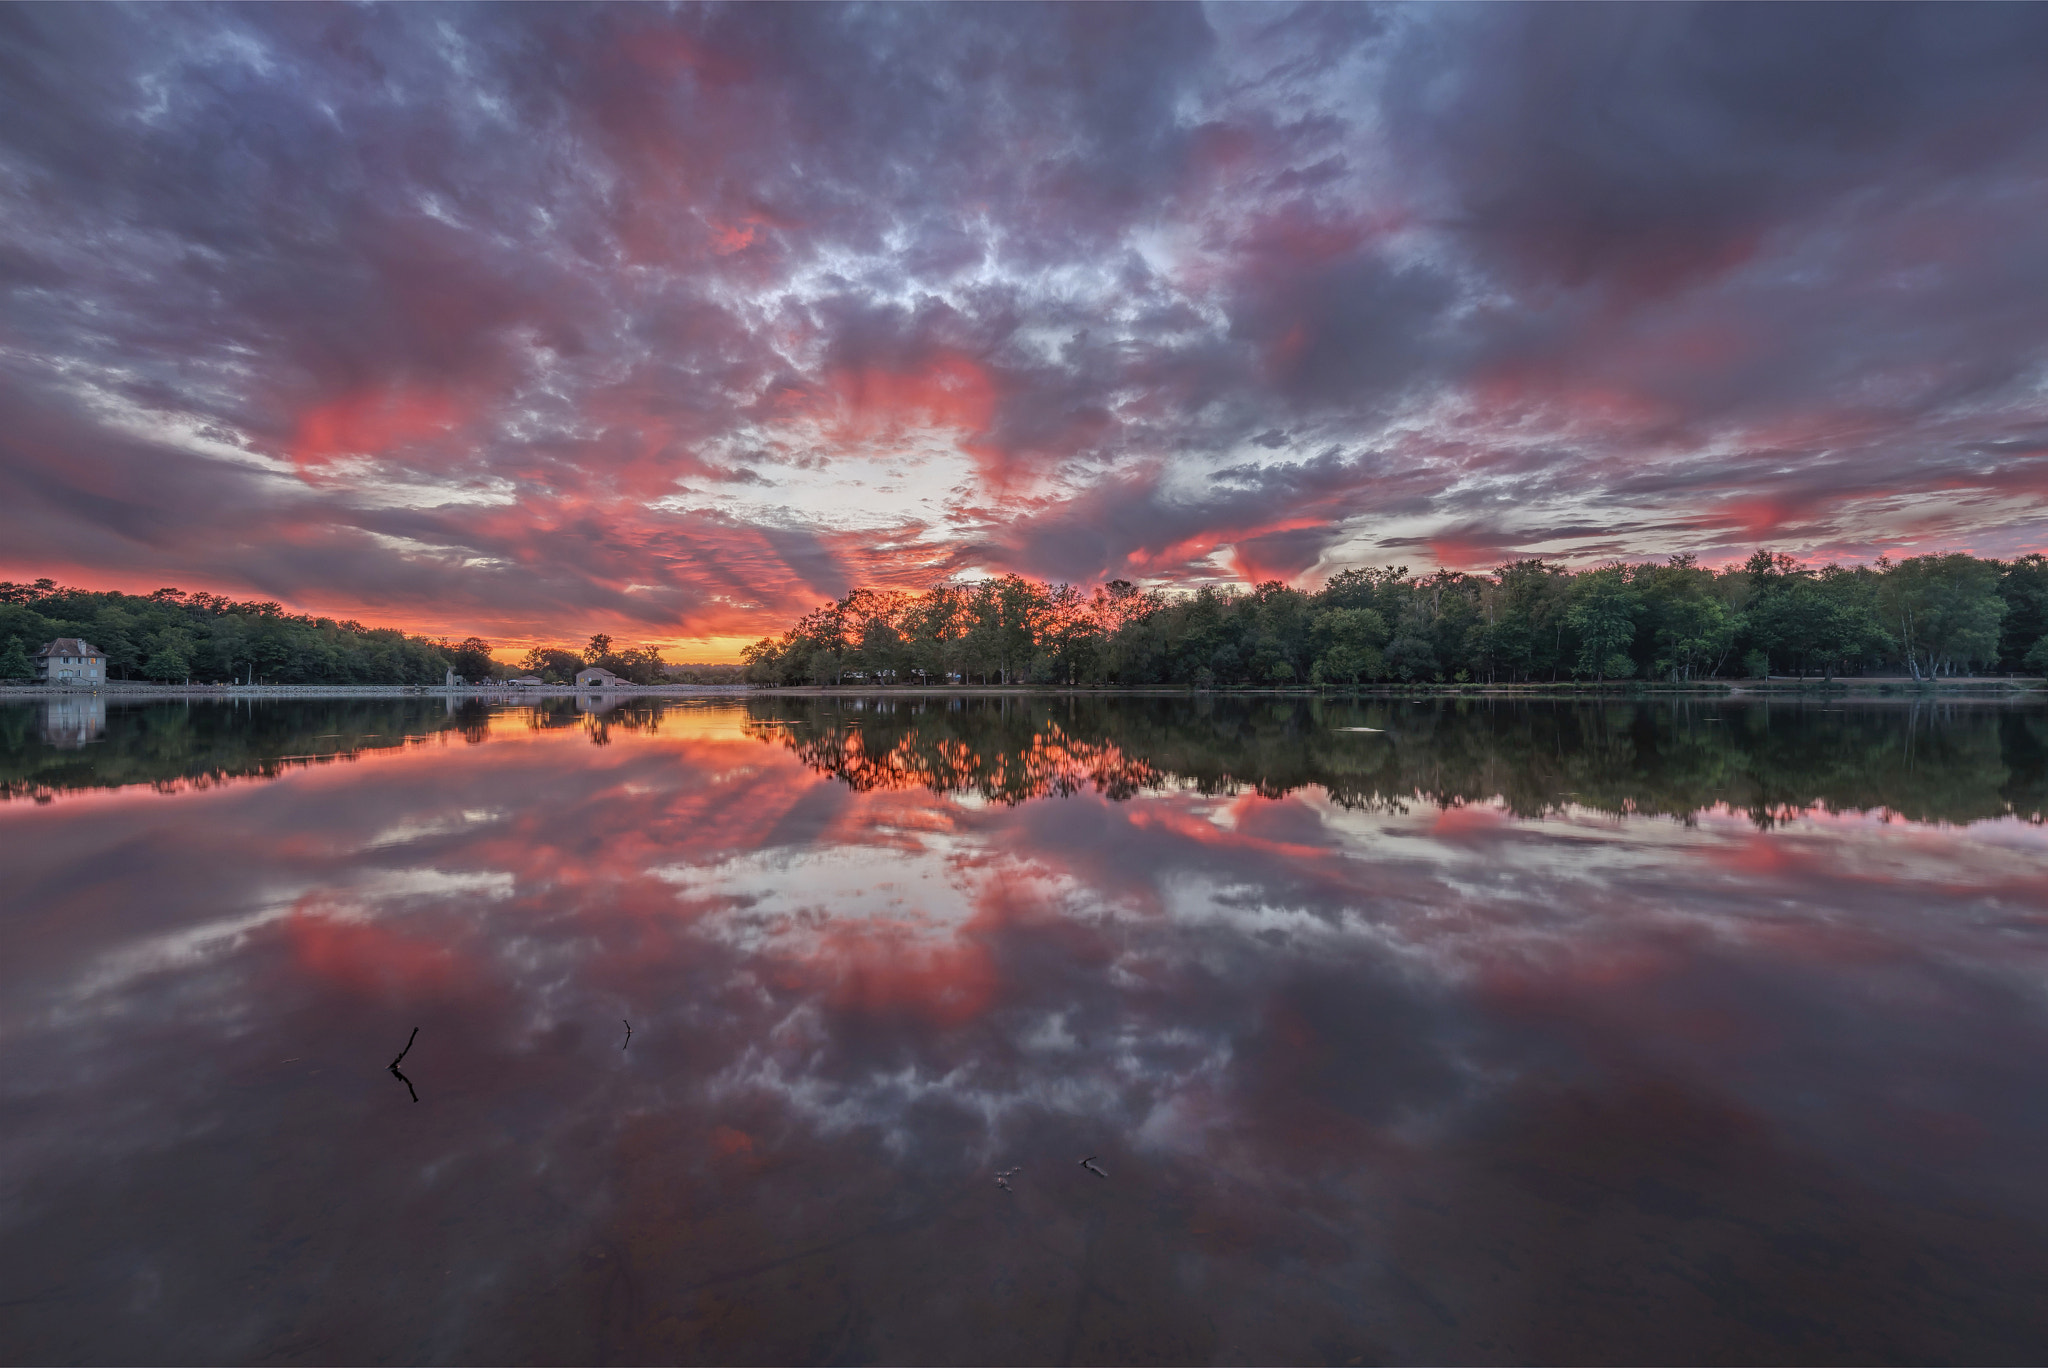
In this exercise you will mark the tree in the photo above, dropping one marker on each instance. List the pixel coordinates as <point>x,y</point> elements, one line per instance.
<point>762,662</point>
<point>15,662</point>
<point>932,625</point>
<point>113,631</point>
<point>471,658</point>
<point>1687,626</point>
<point>168,662</point>
<point>1804,623</point>
<point>1603,614</point>
<point>1693,636</point>
<point>1944,611</point>
<point>875,645</point>
<point>2024,588</point>
<point>1525,625</point>
<point>1020,605</point>
<point>1350,640</point>
<point>600,646</point>
<point>643,666</point>
<point>552,664</point>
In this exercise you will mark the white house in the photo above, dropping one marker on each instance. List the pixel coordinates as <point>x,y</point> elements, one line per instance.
<point>595,678</point>
<point>68,660</point>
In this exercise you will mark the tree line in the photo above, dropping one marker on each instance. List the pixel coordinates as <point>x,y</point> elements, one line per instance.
<point>1926,617</point>
<point>471,658</point>
<point>173,637</point>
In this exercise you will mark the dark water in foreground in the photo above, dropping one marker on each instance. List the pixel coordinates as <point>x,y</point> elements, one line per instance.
<point>1694,1032</point>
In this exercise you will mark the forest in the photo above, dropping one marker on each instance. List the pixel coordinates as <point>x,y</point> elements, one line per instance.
<point>172,636</point>
<point>1925,617</point>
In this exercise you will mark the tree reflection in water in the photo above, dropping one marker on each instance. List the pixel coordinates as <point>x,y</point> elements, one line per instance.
<point>1922,761</point>
<point>1633,1031</point>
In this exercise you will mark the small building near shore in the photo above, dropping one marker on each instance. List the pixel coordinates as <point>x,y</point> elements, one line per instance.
<point>70,660</point>
<point>595,678</point>
<point>527,682</point>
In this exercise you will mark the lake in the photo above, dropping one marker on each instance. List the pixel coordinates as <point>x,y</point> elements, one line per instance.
<point>1460,1031</point>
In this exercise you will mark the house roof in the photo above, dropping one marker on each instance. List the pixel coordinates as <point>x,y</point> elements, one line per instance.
<point>69,646</point>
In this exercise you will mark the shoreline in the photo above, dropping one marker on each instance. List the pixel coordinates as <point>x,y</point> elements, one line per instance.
<point>1977,687</point>
<point>123,689</point>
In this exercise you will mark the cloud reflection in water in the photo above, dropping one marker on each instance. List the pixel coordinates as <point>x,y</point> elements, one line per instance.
<point>1380,1070</point>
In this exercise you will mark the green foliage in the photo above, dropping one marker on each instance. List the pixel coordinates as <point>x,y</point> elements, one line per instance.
<point>552,664</point>
<point>1528,621</point>
<point>1810,623</point>
<point>167,663</point>
<point>15,662</point>
<point>1944,611</point>
<point>471,658</point>
<point>1350,639</point>
<point>635,667</point>
<point>706,674</point>
<point>557,665</point>
<point>1604,610</point>
<point>2023,588</point>
<point>175,635</point>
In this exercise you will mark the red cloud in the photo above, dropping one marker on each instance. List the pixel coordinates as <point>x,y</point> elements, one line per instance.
<point>374,422</point>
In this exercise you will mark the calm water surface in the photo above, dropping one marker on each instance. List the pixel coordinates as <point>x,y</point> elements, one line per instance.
<point>1700,1032</point>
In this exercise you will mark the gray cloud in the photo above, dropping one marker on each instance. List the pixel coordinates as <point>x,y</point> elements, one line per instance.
<point>510,284</point>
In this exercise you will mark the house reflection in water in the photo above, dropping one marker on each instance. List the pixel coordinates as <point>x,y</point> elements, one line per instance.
<point>69,723</point>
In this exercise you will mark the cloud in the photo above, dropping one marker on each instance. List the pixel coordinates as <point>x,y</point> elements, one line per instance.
<point>552,319</point>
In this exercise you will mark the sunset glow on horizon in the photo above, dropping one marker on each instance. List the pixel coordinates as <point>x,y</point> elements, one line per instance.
<point>668,323</point>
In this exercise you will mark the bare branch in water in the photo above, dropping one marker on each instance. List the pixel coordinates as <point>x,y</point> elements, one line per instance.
<point>401,1055</point>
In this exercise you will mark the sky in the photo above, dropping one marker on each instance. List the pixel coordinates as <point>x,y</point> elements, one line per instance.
<point>676,322</point>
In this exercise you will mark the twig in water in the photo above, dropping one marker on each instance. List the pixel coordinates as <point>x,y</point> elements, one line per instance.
<point>629,1033</point>
<point>401,1055</point>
